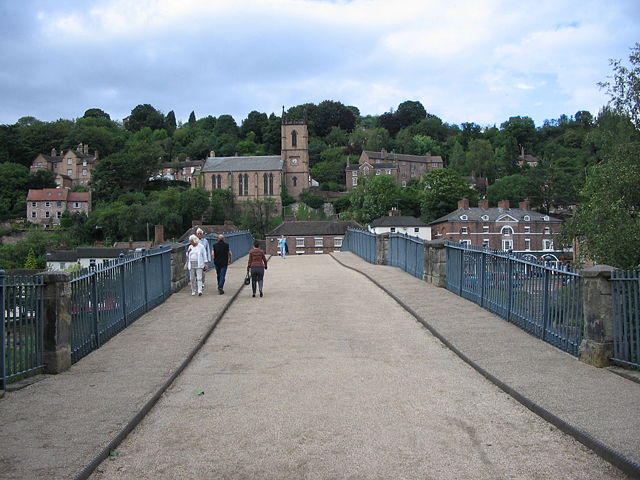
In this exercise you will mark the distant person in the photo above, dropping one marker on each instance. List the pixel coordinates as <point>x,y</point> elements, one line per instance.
<point>282,243</point>
<point>197,263</point>
<point>257,265</point>
<point>221,260</point>
<point>205,242</point>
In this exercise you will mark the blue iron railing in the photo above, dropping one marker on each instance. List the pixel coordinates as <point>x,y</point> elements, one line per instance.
<point>407,253</point>
<point>106,299</point>
<point>360,242</point>
<point>544,301</point>
<point>21,331</point>
<point>625,286</point>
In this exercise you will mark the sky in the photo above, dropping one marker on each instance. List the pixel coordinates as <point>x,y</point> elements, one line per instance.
<point>479,61</point>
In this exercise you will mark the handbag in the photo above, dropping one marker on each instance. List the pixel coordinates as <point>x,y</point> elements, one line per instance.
<point>247,279</point>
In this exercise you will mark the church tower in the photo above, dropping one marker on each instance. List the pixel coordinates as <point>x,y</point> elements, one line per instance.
<point>295,155</point>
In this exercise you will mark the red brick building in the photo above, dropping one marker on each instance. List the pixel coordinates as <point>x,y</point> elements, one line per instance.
<point>71,168</point>
<point>309,237</point>
<point>502,228</point>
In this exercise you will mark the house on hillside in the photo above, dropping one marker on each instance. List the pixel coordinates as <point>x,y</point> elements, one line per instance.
<point>502,228</point>
<point>309,237</point>
<point>400,166</point>
<point>46,206</point>
<point>396,223</point>
<point>185,171</point>
<point>71,168</point>
<point>59,260</point>
<point>261,177</point>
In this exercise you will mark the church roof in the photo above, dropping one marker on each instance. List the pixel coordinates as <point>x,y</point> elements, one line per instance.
<point>241,164</point>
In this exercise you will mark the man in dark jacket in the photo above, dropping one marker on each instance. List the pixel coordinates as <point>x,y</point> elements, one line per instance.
<point>221,259</point>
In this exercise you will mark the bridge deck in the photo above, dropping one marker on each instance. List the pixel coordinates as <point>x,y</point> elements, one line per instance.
<point>327,376</point>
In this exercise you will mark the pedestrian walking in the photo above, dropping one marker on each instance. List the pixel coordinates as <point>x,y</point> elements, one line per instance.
<point>205,242</point>
<point>282,243</point>
<point>196,263</point>
<point>222,258</point>
<point>256,266</point>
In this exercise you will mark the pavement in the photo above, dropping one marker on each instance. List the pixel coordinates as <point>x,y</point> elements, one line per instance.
<point>343,370</point>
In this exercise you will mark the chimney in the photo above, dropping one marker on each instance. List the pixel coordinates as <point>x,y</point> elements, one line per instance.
<point>394,212</point>
<point>463,204</point>
<point>483,204</point>
<point>158,234</point>
<point>54,152</point>
<point>86,149</point>
<point>503,204</point>
<point>524,205</point>
<point>95,154</point>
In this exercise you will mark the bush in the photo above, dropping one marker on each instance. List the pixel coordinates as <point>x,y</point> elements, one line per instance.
<point>312,200</point>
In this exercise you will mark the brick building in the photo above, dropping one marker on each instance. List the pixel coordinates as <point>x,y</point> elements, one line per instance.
<point>309,237</point>
<point>502,228</point>
<point>71,168</point>
<point>400,166</point>
<point>46,206</point>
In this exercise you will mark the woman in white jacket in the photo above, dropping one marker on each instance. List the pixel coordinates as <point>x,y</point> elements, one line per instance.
<point>197,263</point>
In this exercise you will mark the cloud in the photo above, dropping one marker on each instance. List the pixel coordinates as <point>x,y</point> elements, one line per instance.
<point>464,60</point>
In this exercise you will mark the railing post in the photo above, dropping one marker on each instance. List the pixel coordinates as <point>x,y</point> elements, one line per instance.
<point>3,367</point>
<point>57,321</point>
<point>483,267</point>
<point>382,243</point>
<point>597,345</point>
<point>145,259</point>
<point>511,287</point>
<point>545,304</point>
<point>94,303</point>
<point>123,290</point>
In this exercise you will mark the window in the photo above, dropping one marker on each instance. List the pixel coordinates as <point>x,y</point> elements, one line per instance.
<point>527,229</point>
<point>546,218</point>
<point>416,230</point>
<point>317,242</point>
<point>33,204</point>
<point>506,231</point>
<point>76,204</point>
<point>377,171</point>
<point>299,242</point>
<point>47,214</point>
<point>366,170</point>
<point>69,161</point>
<point>404,183</point>
<point>388,171</point>
<point>295,181</point>
<point>84,163</point>
<point>34,214</point>
<point>84,172</point>
<point>355,181</point>
<point>47,204</point>
<point>527,244</point>
<point>464,230</point>
<point>547,230</point>
<point>58,203</point>
<point>393,229</point>
<point>465,243</point>
<point>507,244</point>
<point>485,229</point>
<point>69,172</point>
<point>485,218</point>
<point>485,243</point>
<point>463,217</point>
<point>59,214</point>
<point>243,184</point>
<point>547,244</point>
<point>337,242</point>
<point>240,181</point>
<point>62,265</point>
<point>246,184</point>
<point>526,218</point>
<point>294,138</point>
<point>354,173</point>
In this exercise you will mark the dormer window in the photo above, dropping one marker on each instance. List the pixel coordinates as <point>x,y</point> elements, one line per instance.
<point>366,170</point>
<point>546,218</point>
<point>485,218</point>
<point>463,217</point>
<point>526,218</point>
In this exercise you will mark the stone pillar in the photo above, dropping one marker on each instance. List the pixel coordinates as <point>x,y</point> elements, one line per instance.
<point>435,263</point>
<point>597,345</point>
<point>57,321</point>
<point>158,237</point>
<point>179,277</point>
<point>382,249</point>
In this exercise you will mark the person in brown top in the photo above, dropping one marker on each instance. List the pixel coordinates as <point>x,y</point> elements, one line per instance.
<point>257,265</point>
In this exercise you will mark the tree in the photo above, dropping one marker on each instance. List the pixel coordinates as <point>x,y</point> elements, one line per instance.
<point>624,87</point>
<point>410,112</point>
<point>442,190</point>
<point>192,118</point>
<point>96,113</point>
<point>607,223</point>
<point>145,116</point>
<point>14,183</point>
<point>514,188</point>
<point>255,122</point>
<point>479,159</point>
<point>374,198</point>
<point>170,122</point>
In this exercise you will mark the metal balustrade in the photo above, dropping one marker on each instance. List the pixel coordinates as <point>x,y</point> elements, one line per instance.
<point>626,317</point>
<point>360,242</point>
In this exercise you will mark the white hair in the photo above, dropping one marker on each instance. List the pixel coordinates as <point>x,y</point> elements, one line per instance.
<point>199,230</point>
<point>193,237</point>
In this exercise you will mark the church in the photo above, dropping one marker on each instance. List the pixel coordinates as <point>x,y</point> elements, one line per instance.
<point>261,177</point>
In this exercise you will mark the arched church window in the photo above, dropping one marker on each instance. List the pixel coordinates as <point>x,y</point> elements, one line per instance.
<point>294,138</point>
<point>271,184</point>
<point>240,182</point>
<point>265,184</point>
<point>246,184</point>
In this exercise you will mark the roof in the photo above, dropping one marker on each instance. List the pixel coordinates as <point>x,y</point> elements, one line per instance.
<point>236,164</point>
<point>391,156</point>
<point>100,252</point>
<point>55,194</point>
<point>356,166</point>
<point>62,256</point>
<point>313,228</point>
<point>475,214</point>
<point>397,221</point>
